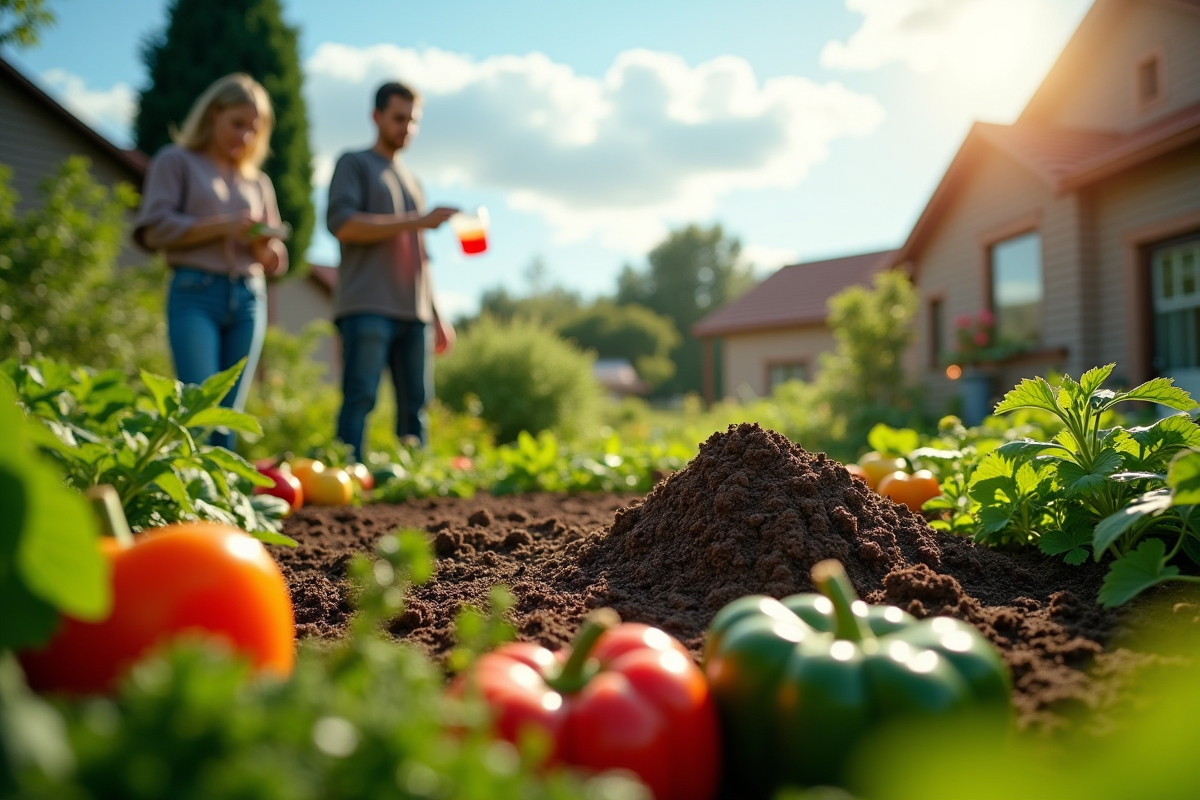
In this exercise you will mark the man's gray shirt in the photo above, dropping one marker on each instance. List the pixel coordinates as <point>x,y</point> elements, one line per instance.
<point>390,278</point>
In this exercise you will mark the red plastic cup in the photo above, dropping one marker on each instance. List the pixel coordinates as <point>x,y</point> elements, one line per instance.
<point>471,228</point>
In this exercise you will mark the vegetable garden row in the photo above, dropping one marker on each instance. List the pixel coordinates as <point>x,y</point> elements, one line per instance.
<point>747,665</point>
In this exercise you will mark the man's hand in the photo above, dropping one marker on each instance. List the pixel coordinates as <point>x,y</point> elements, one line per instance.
<point>435,218</point>
<point>443,336</point>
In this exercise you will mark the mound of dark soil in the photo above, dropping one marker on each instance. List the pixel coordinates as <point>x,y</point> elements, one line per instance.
<point>752,513</point>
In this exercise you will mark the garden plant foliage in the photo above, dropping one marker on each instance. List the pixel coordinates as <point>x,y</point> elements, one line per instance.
<point>62,294</point>
<point>524,377</point>
<point>148,443</point>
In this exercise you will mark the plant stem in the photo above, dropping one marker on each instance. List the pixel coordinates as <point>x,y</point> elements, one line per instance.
<point>578,670</point>
<point>830,578</point>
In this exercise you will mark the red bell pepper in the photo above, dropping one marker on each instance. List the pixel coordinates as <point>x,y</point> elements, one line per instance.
<point>625,697</point>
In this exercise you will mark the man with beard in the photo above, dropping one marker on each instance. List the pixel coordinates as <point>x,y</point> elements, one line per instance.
<point>383,304</point>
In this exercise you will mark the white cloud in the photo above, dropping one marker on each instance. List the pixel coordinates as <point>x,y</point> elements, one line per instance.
<point>984,57</point>
<point>452,305</point>
<point>652,142</point>
<point>109,110</point>
<point>767,259</point>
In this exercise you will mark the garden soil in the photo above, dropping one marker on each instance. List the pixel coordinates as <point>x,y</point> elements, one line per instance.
<point>752,513</point>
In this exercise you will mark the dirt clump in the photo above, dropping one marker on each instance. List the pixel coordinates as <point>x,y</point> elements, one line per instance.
<point>751,514</point>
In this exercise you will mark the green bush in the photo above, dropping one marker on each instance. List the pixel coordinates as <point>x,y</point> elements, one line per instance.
<point>62,295</point>
<point>293,401</point>
<point>525,378</point>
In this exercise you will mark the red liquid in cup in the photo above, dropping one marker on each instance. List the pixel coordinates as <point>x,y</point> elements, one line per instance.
<point>473,243</point>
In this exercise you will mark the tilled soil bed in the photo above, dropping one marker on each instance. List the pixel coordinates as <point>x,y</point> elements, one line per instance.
<point>751,514</point>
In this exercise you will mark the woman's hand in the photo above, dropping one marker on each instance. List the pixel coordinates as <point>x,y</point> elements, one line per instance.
<point>271,254</point>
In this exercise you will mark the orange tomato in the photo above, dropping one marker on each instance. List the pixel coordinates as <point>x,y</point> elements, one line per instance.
<point>876,466</point>
<point>304,469</point>
<point>189,578</point>
<point>329,487</point>
<point>911,490</point>
<point>857,471</point>
<point>362,476</point>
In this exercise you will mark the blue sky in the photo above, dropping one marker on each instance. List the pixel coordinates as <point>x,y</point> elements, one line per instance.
<point>809,128</point>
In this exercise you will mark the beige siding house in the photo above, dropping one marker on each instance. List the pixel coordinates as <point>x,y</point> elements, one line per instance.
<point>1078,226</point>
<point>777,331</point>
<point>37,135</point>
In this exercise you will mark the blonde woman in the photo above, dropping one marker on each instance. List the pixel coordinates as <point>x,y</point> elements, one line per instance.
<point>203,199</point>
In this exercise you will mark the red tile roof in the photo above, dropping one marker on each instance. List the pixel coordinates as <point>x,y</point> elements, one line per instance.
<point>1069,158</point>
<point>794,296</point>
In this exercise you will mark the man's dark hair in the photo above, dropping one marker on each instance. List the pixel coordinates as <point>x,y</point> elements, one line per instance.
<point>385,93</point>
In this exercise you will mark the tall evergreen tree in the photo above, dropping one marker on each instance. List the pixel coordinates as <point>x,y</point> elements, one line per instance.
<point>206,39</point>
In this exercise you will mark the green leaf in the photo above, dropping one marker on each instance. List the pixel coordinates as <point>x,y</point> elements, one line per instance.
<point>226,417</point>
<point>1030,393</point>
<point>47,531</point>
<point>1183,477</point>
<point>1115,525</point>
<point>1022,449</point>
<point>1069,544</point>
<point>1136,572</point>
<point>1161,391</point>
<point>270,537</point>
<point>225,459</point>
<point>1094,378</point>
<point>1154,444</point>
<point>166,392</point>
<point>170,482</point>
<point>1075,479</point>
<point>1191,547</point>
<point>215,387</point>
<point>893,441</point>
<point>993,519</point>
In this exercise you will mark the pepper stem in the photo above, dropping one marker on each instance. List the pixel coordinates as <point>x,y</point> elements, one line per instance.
<point>106,504</point>
<point>830,578</point>
<point>579,668</point>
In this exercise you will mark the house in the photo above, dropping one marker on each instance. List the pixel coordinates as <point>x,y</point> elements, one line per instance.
<point>777,330</point>
<point>618,378</point>
<point>292,304</point>
<point>39,135</point>
<point>1077,226</point>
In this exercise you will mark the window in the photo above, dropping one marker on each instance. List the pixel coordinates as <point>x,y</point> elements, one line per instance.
<point>1175,277</point>
<point>1016,266</point>
<point>937,335</point>
<point>1149,80</point>
<point>782,373</point>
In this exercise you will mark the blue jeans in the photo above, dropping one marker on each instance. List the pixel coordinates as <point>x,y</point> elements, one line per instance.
<point>214,321</point>
<point>369,342</point>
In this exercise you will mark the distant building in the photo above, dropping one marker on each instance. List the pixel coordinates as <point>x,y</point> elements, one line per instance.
<point>39,135</point>
<point>619,378</point>
<point>777,331</point>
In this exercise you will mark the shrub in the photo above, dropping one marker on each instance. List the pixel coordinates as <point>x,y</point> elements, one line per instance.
<point>524,377</point>
<point>295,404</point>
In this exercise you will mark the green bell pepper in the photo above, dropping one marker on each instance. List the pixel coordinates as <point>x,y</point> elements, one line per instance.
<point>799,682</point>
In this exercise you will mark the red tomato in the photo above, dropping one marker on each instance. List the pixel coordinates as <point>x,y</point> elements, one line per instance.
<point>182,579</point>
<point>911,490</point>
<point>461,463</point>
<point>646,709</point>
<point>287,486</point>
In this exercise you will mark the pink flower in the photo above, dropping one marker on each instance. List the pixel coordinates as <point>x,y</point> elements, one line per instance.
<point>963,321</point>
<point>981,338</point>
<point>986,317</point>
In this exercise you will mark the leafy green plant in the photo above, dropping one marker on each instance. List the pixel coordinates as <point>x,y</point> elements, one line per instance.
<point>49,560</point>
<point>1057,492</point>
<point>524,376</point>
<point>148,444</point>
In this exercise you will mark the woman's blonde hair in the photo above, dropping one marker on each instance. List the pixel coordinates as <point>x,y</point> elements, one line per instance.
<point>232,90</point>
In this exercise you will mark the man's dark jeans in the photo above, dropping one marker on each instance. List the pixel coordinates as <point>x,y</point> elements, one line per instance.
<point>369,342</point>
